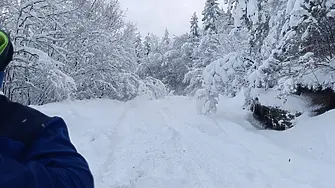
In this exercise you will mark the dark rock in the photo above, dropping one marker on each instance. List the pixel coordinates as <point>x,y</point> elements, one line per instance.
<point>272,117</point>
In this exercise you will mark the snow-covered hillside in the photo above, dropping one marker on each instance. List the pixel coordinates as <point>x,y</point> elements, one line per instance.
<point>166,144</point>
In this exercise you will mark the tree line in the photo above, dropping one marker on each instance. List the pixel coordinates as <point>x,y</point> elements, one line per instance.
<point>71,49</point>
<point>86,49</point>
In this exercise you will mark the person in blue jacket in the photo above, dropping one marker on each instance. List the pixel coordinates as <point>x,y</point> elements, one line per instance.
<point>35,150</point>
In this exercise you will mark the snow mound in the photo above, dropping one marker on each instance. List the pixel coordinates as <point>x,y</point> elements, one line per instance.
<point>165,143</point>
<point>272,98</point>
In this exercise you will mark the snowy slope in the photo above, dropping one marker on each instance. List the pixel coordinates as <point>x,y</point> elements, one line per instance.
<point>165,144</point>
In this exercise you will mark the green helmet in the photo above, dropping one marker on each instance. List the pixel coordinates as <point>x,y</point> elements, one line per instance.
<point>6,50</point>
<point>3,41</point>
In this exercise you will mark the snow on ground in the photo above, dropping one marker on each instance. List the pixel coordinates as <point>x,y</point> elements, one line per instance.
<point>166,144</point>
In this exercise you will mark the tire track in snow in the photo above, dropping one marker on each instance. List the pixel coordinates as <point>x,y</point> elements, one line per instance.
<point>204,153</point>
<point>115,139</point>
<point>192,168</point>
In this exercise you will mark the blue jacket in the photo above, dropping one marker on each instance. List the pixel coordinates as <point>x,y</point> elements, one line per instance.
<point>36,151</point>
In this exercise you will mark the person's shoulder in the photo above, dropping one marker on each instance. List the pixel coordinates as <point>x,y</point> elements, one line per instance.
<point>21,122</point>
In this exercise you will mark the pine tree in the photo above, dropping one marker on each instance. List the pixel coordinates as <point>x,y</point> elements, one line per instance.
<point>195,30</point>
<point>166,39</point>
<point>139,48</point>
<point>211,14</point>
<point>147,45</point>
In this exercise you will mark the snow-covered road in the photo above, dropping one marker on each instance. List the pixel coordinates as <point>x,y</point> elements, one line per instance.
<point>166,144</point>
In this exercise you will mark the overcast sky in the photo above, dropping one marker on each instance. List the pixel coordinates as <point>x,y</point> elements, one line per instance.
<point>155,15</point>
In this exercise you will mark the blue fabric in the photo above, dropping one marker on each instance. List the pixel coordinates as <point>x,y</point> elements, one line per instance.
<point>11,148</point>
<point>2,76</point>
<point>51,161</point>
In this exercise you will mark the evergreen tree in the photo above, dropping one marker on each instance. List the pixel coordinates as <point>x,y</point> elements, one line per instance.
<point>166,39</point>
<point>165,43</point>
<point>147,45</point>
<point>139,48</point>
<point>195,30</point>
<point>211,14</point>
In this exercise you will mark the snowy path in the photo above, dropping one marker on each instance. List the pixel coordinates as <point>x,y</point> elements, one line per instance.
<point>165,144</point>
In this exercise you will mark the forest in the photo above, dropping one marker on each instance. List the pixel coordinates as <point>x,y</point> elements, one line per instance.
<point>86,49</point>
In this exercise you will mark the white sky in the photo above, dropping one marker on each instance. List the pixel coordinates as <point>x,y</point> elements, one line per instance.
<point>155,15</point>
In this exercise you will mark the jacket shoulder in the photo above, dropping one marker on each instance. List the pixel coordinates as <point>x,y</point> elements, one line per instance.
<point>19,122</point>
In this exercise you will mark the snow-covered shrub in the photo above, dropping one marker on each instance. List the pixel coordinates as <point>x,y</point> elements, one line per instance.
<point>226,76</point>
<point>152,88</point>
<point>194,80</point>
<point>206,101</point>
<point>133,87</point>
<point>126,87</point>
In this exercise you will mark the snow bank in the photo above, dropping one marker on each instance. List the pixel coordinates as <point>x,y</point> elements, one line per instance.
<point>291,103</point>
<point>164,143</point>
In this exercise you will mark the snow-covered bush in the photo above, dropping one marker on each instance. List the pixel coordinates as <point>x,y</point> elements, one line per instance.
<point>194,80</point>
<point>206,101</point>
<point>226,76</point>
<point>124,87</point>
<point>152,88</point>
<point>132,86</point>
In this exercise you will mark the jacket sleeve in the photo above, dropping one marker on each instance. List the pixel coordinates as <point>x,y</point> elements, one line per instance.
<point>52,162</point>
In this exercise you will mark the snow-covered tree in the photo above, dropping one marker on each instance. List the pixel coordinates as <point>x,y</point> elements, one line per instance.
<point>165,43</point>
<point>318,37</point>
<point>305,48</point>
<point>194,29</point>
<point>71,49</point>
<point>147,45</point>
<point>166,39</point>
<point>211,14</point>
<point>205,48</point>
<point>139,49</point>
<point>221,38</point>
<point>38,73</point>
<point>211,48</point>
<point>168,64</point>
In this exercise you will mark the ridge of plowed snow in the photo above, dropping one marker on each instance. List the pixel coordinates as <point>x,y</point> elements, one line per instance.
<point>166,144</point>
